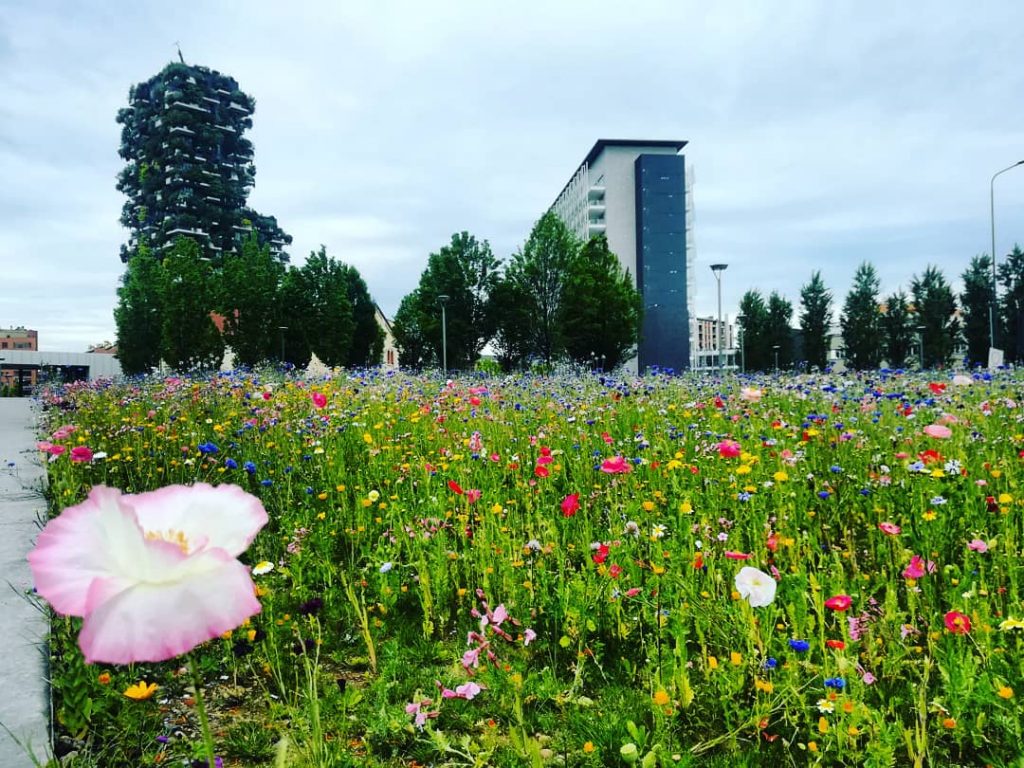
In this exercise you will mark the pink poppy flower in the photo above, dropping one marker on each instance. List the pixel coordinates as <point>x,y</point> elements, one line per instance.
<point>152,575</point>
<point>728,449</point>
<point>319,399</point>
<point>750,394</point>
<point>81,454</point>
<point>473,495</point>
<point>977,545</point>
<point>938,431</point>
<point>570,505</point>
<point>839,602</point>
<point>890,529</point>
<point>616,466</point>
<point>737,555</point>
<point>957,623</point>
<point>917,568</point>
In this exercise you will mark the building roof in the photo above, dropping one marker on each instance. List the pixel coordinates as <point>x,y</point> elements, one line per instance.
<point>601,144</point>
<point>599,147</point>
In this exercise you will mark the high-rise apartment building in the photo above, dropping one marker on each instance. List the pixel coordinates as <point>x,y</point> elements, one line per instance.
<point>640,195</point>
<point>189,167</point>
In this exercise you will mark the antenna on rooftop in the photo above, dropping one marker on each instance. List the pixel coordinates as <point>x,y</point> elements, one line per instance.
<point>178,46</point>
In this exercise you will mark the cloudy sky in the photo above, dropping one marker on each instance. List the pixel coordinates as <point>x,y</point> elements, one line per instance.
<point>821,134</point>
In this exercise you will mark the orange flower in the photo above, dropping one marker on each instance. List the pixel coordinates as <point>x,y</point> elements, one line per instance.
<point>140,691</point>
<point>103,678</point>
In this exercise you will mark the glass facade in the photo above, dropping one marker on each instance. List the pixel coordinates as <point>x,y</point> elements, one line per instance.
<point>661,261</point>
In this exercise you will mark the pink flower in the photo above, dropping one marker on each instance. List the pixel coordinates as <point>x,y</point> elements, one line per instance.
<point>529,636</point>
<point>319,399</point>
<point>152,575</point>
<point>917,568</point>
<point>570,505</point>
<point>473,495</point>
<point>471,658</point>
<point>938,431</point>
<point>467,691</point>
<point>728,449</point>
<point>890,529</point>
<point>957,623</point>
<point>63,433</point>
<point>839,602</point>
<point>977,545</point>
<point>81,454</point>
<point>737,555</point>
<point>750,394</point>
<point>616,466</point>
<point>615,571</point>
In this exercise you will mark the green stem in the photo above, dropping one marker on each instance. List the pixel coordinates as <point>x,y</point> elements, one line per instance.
<point>204,724</point>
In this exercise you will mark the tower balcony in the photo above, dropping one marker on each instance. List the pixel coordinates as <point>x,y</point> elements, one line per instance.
<point>596,192</point>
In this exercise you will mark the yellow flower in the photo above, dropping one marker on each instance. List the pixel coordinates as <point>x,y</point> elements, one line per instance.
<point>1005,498</point>
<point>780,477</point>
<point>140,691</point>
<point>822,725</point>
<point>1008,624</point>
<point>1006,692</point>
<point>764,685</point>
<point>712,662</point>
<point>929,515</point>
<point>588,747</point>
<point>735,659</point>
<point>812,746</point>
<point>661,698</point>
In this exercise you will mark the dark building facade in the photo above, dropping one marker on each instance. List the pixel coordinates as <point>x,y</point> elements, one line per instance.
<point>188,166</point>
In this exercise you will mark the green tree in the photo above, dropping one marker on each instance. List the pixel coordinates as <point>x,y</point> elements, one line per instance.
<point>466,272</point>
<point>138,315</point>
<point>978,302</point>
<point>780,334</point>
<point>1011,305</point>
<point>249,300</point>
<point>296,327</point>
<point>815,320</point>
<point>189,339</point>
<point>367,336</point>
<point>861,320</point>
<point>328,324</point>
<point>414,350</point>
<point>756,333</point>
<point>898,333</point>
<point>512,307</point>
<point>935,307</point>
<point>540,268</point>
<point>600,309</point>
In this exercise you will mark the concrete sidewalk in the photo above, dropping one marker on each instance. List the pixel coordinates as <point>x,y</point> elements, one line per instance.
<point>25,700</point>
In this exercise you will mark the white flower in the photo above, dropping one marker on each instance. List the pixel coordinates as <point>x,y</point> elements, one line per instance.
<point>262,568</point>
<point>756,586</point>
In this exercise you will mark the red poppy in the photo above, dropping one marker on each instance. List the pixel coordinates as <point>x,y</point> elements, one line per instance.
<point>836,645</point>
<point>615,571</point>
<point>937,388</point>
<point>958,623</point>
<point>600,555</point>
<point>839,602</point>
<point>455,487</point>
<point>570,505</point>
<point>541,471</point>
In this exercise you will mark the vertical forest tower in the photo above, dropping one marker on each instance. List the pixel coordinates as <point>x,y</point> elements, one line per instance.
<point>189,167</point>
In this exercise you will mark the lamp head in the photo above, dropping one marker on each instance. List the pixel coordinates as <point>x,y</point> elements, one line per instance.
<point>716,268</point>
<point>443,298</point>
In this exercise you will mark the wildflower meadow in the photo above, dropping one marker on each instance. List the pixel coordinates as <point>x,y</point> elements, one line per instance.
<point>401,570</point>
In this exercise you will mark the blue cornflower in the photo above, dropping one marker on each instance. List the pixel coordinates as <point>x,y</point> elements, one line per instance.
<point>770,663</point>
<point>743,496</point>
<point>249,467</point>
<point>230,463</point>
<point>823,494</point>
<point>266,483</point>
<point>207,448</point>
<point>800,646</point>
<point>835,682</point>
<point>835,468</point>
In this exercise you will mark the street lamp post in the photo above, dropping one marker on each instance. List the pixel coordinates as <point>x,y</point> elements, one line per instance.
<point>443,299</point>
<point>718,269</point>
<point>282,329</point>
<point>776,348</point>
<point>992,218</point>
<point>920,344</point>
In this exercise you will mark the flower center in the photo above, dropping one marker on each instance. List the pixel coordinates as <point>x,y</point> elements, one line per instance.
<point>172,536</point>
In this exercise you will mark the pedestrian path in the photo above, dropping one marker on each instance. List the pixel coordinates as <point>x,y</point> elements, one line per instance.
<point>24,694</point>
